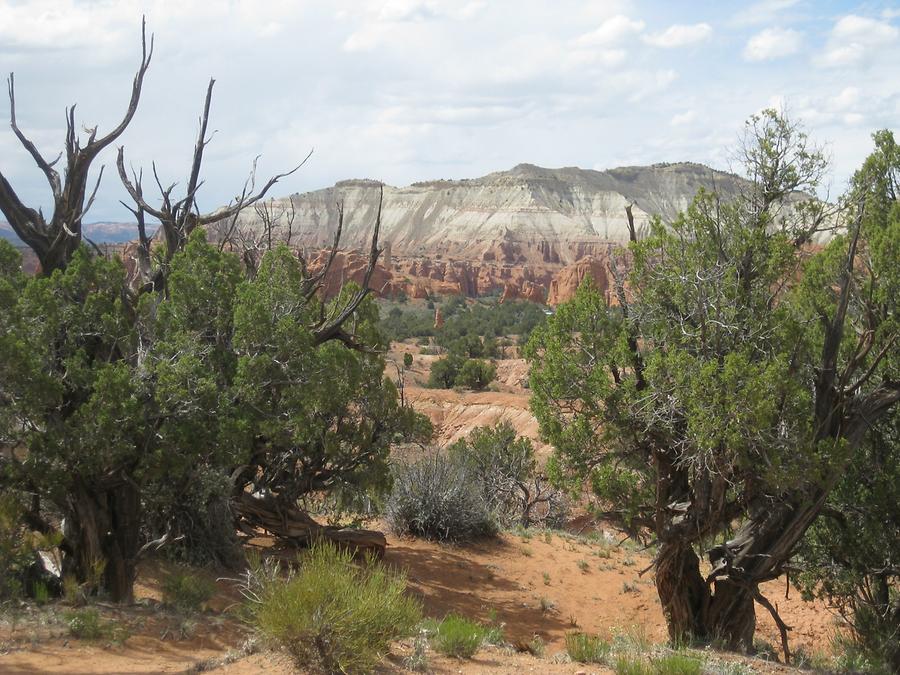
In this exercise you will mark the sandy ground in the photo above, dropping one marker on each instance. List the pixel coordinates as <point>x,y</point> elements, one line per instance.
<point>454,413</point>
<point>543,584</point>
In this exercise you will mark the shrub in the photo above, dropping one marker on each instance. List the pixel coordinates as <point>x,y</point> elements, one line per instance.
<point>506,469</point>
<point>444,371</point>
<point>417,661</point>
<point>15,552</point>
<point>586,648</point>
<point>677,664</point>
<point>85,624</point>
<point>332,615</point>
<point>407,360</point>
<point>629,665</point>
<point>187,592</point>
<point>535,646</point>
<point>457,636</point>
<point>18,550</point>
<point>476,374</point>
<point>438,498</point>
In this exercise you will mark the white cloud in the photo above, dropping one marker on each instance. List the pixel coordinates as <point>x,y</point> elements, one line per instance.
<point>762,12</point>
<point>773,43</point>
<point>846,100</point>
<point>855,38</point>
<point>612,30</point>
<point>680,35</point>
<point>643,85</point>
<point>407,90</point>
<point>853,27</point>
<point>47,24</point>
<point>683,119</point>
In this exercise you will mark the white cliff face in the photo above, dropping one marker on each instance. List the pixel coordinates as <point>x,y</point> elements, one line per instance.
<point>527,215</point>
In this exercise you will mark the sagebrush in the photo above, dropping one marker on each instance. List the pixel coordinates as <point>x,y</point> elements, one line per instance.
<point>334,615</point>
<point>438,498</point>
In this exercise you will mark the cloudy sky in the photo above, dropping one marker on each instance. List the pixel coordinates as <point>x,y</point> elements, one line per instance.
<point>406,90</point>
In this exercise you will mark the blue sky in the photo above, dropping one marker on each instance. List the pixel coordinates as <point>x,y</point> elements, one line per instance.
<point>406,90</point>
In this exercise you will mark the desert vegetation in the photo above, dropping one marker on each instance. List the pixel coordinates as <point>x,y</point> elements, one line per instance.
<point>728,393</point>
<point>728,406</point>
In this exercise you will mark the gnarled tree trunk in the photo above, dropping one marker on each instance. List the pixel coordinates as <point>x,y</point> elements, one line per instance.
<point>682,590</point>
<point>288,522</point>
<point>102,534</point>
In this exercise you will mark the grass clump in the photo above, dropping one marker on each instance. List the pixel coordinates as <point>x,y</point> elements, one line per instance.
<point>630,665</point>
<point>417,661</point>
<point>586,648</point>
<point>677,664</point>
<point>187,592</point>
<point>332,615</point>
<point>459,637</point>
<point>536,646</point>
<point>86,624</point>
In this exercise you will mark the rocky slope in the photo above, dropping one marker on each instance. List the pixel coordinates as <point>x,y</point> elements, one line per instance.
<point>515,233</point>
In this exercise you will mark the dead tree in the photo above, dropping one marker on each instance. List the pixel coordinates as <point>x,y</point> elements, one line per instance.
<point>251,244</point>
<point>178,218</point>
<point>54,241</point>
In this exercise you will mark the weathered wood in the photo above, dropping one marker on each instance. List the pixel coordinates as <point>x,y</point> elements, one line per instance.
<point>54,241</point>
<point>290,523</point>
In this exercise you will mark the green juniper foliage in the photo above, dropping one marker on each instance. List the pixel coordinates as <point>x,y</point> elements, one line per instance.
<point>852,553</point>
<point>736,379</point>
<point>133,411</point>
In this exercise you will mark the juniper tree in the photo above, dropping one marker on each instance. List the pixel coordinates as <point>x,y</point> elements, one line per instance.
<point>719,401</point>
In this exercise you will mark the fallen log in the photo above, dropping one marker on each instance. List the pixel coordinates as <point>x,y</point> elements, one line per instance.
<point>290,523</point>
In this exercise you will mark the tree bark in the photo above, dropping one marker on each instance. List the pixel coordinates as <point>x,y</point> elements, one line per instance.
<point>103,529</point>
<point>682,591</point>
<point>731,616</point>
<point>288,522</point>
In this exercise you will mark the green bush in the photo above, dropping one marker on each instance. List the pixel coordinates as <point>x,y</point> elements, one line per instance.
<point>18,550</point>
<point>16,553</point>
<point>85,624</point>
<point>677,664</point>
<point>630,665</point>
<point>187,592</point>
<point>444,372</point>
<point>407,359</point>
<point>505,466</point>
<point>334,616</point>
<point>438,498</point>
<point>476,374</point>
<point>455,370</point>
<point>458,637</point>
<point>586,648</point>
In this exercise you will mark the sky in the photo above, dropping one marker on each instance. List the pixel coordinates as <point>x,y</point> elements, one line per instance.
<point>409,90</point>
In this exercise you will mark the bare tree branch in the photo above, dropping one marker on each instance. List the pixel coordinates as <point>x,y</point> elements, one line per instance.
<point>55,242</point>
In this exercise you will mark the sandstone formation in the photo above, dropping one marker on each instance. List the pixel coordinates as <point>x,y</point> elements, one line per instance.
<point>568,279</point>
<point>528,233</point>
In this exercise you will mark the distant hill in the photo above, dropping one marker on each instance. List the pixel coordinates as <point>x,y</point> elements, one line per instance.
<point>529,232</point>
<point>527,214</point>
<point>101,233</point>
